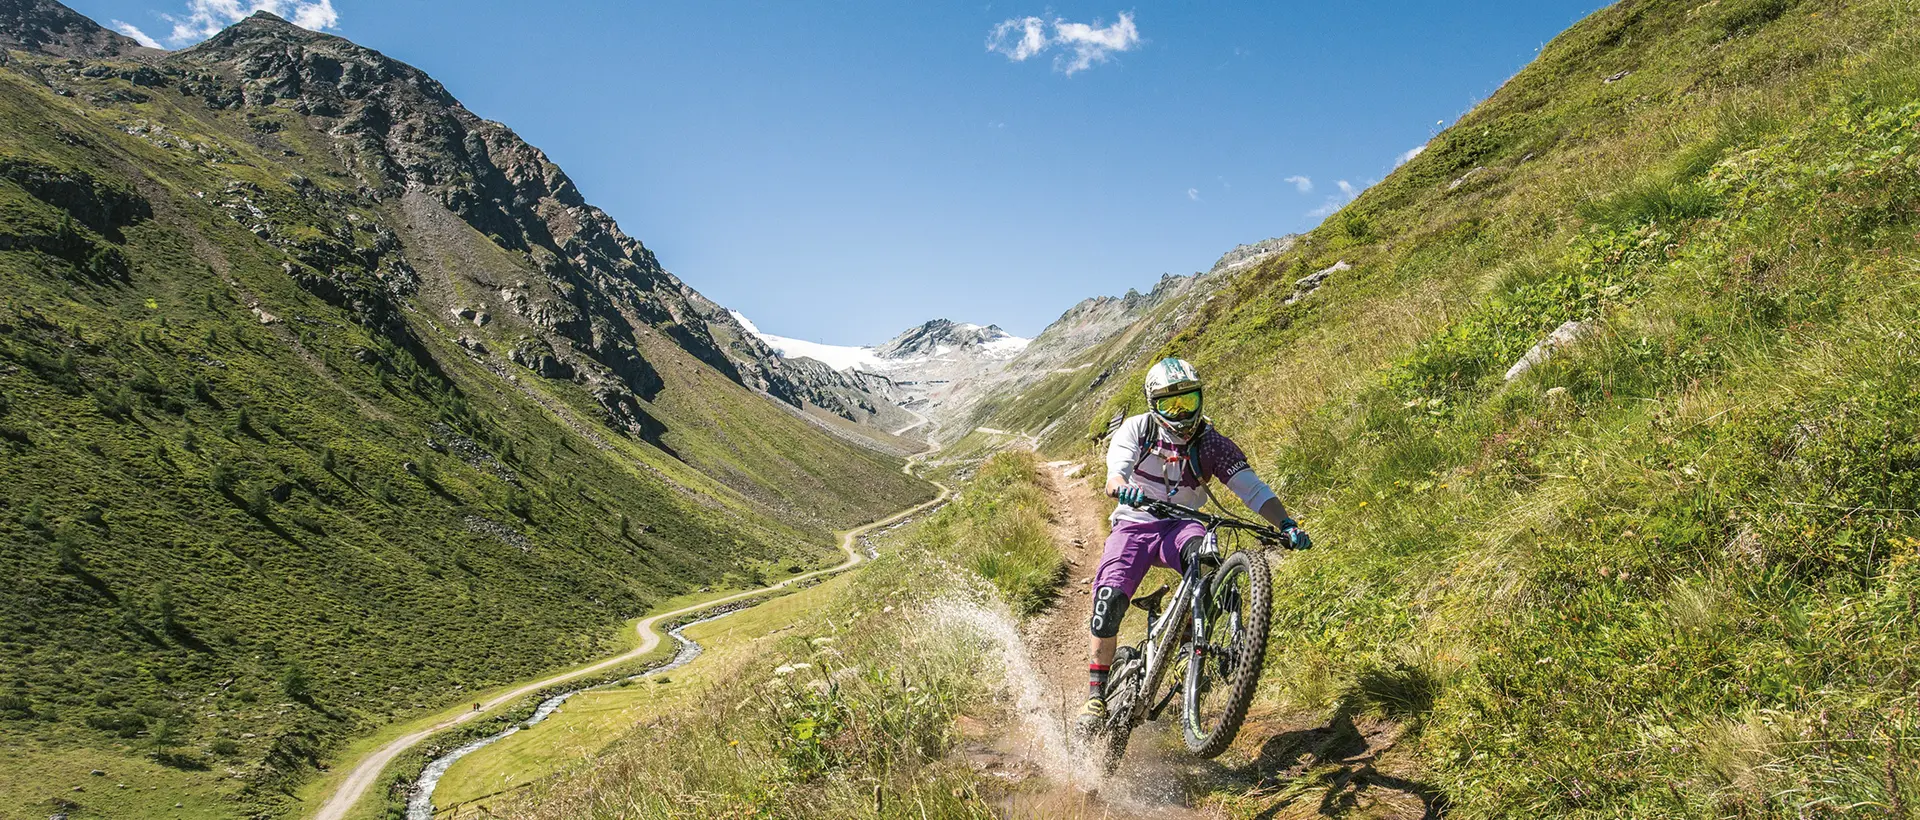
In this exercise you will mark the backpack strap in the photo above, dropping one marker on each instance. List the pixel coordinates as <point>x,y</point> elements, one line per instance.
<point>1151,436</point>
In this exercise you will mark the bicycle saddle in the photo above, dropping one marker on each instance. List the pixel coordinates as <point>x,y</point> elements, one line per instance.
<point>1151,603</point>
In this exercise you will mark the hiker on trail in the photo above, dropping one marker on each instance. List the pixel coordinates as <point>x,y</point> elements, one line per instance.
<point>1168,453</point>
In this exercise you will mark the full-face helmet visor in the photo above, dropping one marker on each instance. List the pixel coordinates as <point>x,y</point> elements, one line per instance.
<point>1179,406</point>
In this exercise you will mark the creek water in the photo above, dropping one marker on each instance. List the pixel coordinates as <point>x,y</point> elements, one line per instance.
<point>420,801</point>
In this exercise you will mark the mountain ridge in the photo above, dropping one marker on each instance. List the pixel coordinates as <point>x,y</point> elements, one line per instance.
<point>317,389</point>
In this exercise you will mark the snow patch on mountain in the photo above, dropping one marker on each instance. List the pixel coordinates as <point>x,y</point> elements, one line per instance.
<point>930,342</point>
<point>838,357</point>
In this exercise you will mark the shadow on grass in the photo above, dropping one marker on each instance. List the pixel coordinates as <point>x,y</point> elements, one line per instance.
<point>1332,770</point>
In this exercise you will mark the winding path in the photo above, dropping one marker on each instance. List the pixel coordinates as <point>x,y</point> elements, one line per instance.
<point>366,772</point>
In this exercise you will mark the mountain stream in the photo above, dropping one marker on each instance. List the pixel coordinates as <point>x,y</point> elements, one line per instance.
<point>420,801</point>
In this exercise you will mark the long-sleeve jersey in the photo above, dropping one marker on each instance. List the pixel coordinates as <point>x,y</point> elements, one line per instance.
<point>1144,454</point>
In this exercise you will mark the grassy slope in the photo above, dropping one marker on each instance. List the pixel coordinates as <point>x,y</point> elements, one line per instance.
<point>1684,584</point>
<point>838,701</point>
<point>215,557</point>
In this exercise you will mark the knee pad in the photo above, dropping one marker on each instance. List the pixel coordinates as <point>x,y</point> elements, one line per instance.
<point>1109,606</point>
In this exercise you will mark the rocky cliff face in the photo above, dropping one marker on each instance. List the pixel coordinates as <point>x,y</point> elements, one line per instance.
<point>589,291</point>
<point>1095,344</point>
<point>957,375</point>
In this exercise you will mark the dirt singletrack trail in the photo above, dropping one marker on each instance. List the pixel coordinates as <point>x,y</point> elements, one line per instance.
<point>1048,774</point>
<point>1058,636</point>
<point>1285,764</point>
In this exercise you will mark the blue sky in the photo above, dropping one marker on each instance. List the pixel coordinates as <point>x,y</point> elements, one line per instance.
<point>841,171</point>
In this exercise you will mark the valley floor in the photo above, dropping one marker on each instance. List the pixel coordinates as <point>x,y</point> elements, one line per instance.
<point>349,798</point>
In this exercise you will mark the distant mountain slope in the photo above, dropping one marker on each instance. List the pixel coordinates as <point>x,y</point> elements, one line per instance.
<point>322,401</point>
<point>51,28</point>
<point>911,383</point>
<point>1070,372</point>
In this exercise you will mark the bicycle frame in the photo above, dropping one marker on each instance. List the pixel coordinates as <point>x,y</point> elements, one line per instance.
<point>1161,631</point>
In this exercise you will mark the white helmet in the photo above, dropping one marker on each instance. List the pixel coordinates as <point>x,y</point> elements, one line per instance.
<point>1173,395</point>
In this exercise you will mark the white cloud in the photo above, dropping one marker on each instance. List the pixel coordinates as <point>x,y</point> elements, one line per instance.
<point>138,36</point>
<point>1083,45</point>
<point>1032,38</point>
<point>1410,154</point>
<point>1303,183</point>
<point>1346,189</point>
<point>205,18</point>
<point>1093,45</point>
<point>1193,194</point>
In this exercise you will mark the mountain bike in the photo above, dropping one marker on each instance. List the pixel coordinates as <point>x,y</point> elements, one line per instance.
<point>1217,622</point>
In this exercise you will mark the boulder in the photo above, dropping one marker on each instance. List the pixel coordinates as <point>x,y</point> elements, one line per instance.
<point>1564,336</point>
<point>1455,185</point>
<point>1312,282</point>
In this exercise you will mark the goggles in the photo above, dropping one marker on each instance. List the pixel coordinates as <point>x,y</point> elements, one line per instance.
<point>1179,406</point>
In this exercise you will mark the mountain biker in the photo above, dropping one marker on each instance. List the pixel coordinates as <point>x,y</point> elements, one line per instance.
<point>1168,453</point>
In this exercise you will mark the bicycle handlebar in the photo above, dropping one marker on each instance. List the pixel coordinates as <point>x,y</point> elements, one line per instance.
<point>1168,509</point>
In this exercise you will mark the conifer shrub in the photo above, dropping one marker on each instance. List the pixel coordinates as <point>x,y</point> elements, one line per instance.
<point>295,683</point>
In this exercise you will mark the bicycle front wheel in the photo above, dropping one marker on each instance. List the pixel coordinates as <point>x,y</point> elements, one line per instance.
<point>1224,668</point>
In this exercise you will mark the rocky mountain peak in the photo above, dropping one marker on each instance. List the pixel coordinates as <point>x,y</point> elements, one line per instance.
<point>940,336</point>
<point>319,72</point>
<point>47,27</point>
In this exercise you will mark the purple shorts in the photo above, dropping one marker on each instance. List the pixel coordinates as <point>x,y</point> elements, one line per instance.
<point>1136,546</point>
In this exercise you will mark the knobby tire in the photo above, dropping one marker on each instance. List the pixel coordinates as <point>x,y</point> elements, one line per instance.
<point>1249,656</point>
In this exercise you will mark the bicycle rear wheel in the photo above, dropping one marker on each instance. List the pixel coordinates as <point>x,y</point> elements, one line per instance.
<point>1224,669</point>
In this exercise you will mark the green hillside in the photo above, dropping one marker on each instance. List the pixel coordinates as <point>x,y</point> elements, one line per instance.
<point>261,489</point>
<point>1671,571</point>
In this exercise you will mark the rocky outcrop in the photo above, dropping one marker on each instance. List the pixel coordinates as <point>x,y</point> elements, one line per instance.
<point>1306,285</point>
<point>1246,256</point>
